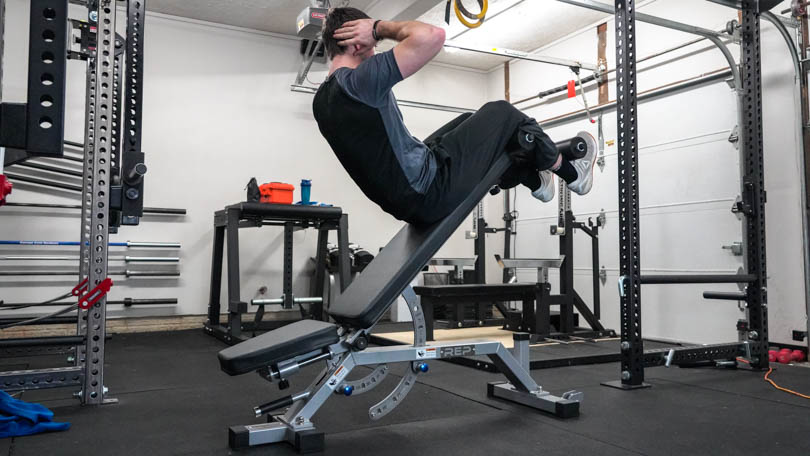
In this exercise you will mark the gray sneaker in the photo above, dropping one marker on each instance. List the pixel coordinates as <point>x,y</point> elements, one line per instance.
<point>584,166</point>
<point>546,191</point>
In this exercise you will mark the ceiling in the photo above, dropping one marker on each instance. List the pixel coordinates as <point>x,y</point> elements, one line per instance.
<point>523,25</point>
<point>276,16</point>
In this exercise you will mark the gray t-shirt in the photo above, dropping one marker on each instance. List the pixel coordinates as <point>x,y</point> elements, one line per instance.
<point>370,83</point>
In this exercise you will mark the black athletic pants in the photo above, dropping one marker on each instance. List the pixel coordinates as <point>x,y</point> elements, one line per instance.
<point>467,147</point>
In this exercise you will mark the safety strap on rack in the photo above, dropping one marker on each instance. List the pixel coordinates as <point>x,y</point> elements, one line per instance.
<point>93,296</point>
<point>88,299</point>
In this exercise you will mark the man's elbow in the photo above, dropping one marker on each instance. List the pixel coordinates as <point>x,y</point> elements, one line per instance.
<point>437,38</point>
<point>429,37</point>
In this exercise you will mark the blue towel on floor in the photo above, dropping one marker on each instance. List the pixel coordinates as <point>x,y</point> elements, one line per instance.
<point>22,418</point>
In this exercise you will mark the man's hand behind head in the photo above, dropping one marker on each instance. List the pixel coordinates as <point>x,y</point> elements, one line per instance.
<point>357,36</point>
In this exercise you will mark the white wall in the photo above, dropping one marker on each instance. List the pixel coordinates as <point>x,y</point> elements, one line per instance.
<point>688,178</point>
<point>217,111</point>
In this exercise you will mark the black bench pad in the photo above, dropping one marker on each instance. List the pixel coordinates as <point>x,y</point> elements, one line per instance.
<point>373,291</point>
<point>279,345</point>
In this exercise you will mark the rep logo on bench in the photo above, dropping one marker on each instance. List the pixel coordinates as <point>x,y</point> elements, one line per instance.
<point>457,351</point>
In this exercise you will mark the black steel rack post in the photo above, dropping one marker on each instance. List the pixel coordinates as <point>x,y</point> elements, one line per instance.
<point>632,344</point>
<point>36,128</point>
<point>754,185</point>
<point>753,341</point>
<point>132,164</point>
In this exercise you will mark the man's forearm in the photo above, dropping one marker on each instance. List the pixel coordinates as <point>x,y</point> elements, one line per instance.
<point>403,30</point>
<point>418,43</point>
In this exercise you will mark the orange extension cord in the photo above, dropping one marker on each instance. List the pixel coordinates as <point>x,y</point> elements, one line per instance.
<point>780,388</point>
<point>767,379</point>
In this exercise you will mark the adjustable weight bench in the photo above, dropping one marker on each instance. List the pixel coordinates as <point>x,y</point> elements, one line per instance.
<point>343,345</point>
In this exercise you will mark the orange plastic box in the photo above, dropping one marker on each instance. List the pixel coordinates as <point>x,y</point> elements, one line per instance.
<point>277,193</point>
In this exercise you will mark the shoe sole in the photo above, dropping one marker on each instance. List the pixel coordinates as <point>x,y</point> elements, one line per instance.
<point>592,146</point>
<point>551,186</point>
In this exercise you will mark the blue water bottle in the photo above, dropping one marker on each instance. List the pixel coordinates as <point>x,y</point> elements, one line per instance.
<point>306,187</point>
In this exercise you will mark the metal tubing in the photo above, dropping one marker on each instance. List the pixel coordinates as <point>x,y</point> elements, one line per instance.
<point>49,168</point>
<point>145,302</point>
<point>511,53</point>
<point>144,245</point>
<point>592,78</point>
<point>692,278</point>
<point>125,302</point>
<point>605,8</point>
<point>663,91</point>
<point>794,52</point>
<point>73,159</point>
<point>724,296</point>
<point>146,210</point>
<point>234,299</point>
<point>215,287</point>
<point>287,268</point>
<point>133,259</point>
<point>163,211</point>
<point>148,245</point>
<point>67,272</point>
<point>69,320</point>
<point>753,184</point>
<point>279,301</point>
<point>711,35</point>
<point>130,273</point>
<point>128,259</point>
<point>44,182</point>
<point>597,301</point>
<point>42,341</point>
<point>632,368</point>
<point>305,66</point>
<point>37,258</point>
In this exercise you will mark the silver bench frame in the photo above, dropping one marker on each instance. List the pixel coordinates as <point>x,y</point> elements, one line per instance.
<point>341,358</point>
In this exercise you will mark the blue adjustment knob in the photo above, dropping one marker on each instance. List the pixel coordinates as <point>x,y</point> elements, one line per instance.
<point>423,367</point>
<point>348,390</point>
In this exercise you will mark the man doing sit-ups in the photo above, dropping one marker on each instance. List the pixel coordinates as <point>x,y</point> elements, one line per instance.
<point>422,181</point>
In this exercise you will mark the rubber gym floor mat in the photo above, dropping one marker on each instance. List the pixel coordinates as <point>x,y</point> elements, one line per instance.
<point>741,382</point>
<point>558,380</point>
<point>150,361</point>
<point>195,420</point>
<point>687,411</point>
<point>673,417</point>
<point>494,433</point>
<point>680,419</point>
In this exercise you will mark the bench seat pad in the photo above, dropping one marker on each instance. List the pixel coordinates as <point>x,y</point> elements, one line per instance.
<point>284,343</point>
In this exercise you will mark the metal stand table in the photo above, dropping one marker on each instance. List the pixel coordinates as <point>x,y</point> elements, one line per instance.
<point>253,215</point>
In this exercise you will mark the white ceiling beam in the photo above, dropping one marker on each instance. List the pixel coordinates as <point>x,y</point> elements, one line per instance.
<point>407,10</point>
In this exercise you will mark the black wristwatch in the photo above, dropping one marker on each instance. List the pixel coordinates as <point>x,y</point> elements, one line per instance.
<point>374,30</point>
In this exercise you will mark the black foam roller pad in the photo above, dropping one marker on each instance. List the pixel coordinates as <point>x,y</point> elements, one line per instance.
<point>573,149</point>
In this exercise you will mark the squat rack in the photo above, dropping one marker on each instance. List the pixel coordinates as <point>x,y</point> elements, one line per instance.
<point>753,331</point>
<point>113,162</point>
